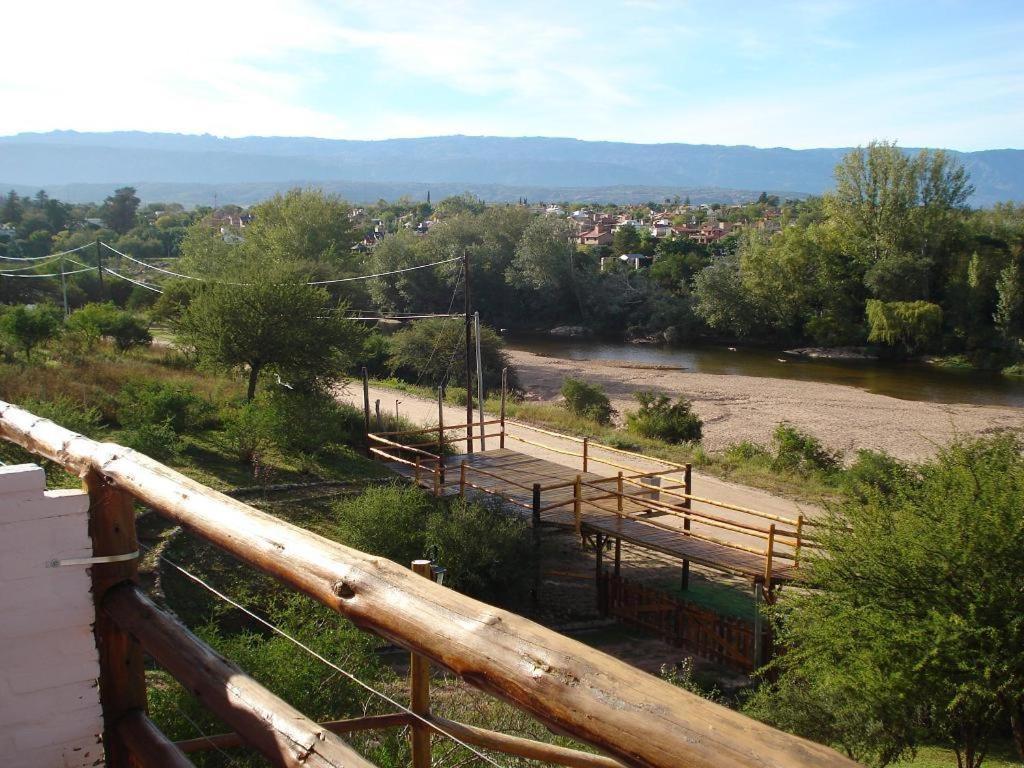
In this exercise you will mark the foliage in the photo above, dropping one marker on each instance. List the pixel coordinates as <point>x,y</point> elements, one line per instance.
<point>910,629</point>
<point>434,351</point>
<point>659,418</point>
<point>912,325</point>
<point>158,440</point>
<point>271,322</point>
<point>156,402</point>
<point>798,451</point>
<point>249,431</point>
<point>309,422</point>
<point>125,329</point>
<point>587,400</point>
<point>29,327</point>
<point>119,209</point>
<point>875,471</point>
<point>375,355</point>
<point>388,520</point>
<point>486,550</point>
<point>174,300</point>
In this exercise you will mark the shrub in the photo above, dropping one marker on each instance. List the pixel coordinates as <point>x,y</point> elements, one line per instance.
<point>375,354</point>
<point>125,329</point>
<point>434,350</point>
<point>157,402</point>
<point>309,422</point>
<point>800,452</point>
<point>388,520</point>
<point>248,431</point>
<point>660,419</point>
<point>587,400</point>
<point>747,451</point>
<point>875,471</point>
<point>487,551</point>
<point>158,440</point>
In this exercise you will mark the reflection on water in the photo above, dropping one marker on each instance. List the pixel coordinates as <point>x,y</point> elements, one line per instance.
<point>907,381</point>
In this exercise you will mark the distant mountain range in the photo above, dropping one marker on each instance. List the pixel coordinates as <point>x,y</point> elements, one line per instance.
<point>194,169</point>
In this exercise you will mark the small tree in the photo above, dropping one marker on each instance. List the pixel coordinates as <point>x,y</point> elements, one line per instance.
<point>433,351</point>
<point>119,210</point>
<point>28,327</point>
<point>912,325</point>
<point>910,628</point>
<point>271,321</point>
<point>125,329</point>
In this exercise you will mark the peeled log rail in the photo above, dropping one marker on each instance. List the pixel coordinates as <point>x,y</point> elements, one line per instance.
<point>148,745</point>
<point>573,688</point>
<point>284,735</point>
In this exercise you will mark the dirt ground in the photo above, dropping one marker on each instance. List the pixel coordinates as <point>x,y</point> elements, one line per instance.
<point>738,408</point>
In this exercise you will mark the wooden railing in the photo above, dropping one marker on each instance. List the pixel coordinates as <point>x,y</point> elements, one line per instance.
<point>636,719</point>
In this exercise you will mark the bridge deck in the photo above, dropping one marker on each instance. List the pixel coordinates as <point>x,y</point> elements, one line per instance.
<point>517,472</point>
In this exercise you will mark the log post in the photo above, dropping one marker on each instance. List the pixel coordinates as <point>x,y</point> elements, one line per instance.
<point>462,480</point>
<point>535,591</point>
<point>504,391</point>
<point>416,470</point>
<point>599,566</point>
<point>440,436</point>
<point>577,510</point>
<point>419,690</point>
<point>438,476</point>
<point>122,669</point>
<point>618,556</point>
<point>366,410</point>
<point>586,451</point>
<point>768,554</point>
<point>799,535</point>
<point>380,422</point>
<point>758,624</point>
<point>619,490</point>
<point>687,506</point>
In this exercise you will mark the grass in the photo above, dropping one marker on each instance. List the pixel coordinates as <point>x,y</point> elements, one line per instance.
<point>755,472</point>
<point>1001,755</point>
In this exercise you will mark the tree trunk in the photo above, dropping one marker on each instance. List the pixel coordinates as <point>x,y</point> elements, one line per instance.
<point>1017,726</point>
<point>254,374</point>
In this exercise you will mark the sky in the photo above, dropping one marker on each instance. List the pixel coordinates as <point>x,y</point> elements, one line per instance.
<point>791,73</point>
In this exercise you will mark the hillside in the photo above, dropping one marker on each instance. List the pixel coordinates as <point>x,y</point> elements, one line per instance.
<point>191,168</point>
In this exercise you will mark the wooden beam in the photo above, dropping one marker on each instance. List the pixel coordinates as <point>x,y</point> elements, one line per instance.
<point>280,732</point>
<point>351,725</point>
<point>517,745</point>
<point>147,744</point>
<point>122,682</point>
<point>598,699</point>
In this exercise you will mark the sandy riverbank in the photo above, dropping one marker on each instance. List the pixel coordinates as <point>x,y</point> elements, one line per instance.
<point>738,408</point>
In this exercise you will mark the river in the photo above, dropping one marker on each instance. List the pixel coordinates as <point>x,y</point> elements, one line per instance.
<point>907,381</point>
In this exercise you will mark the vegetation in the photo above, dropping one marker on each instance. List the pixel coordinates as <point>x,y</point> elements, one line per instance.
<point>587,400</point>
<point>434,351</point>
<point>660,419</point>
<point>909,631</point>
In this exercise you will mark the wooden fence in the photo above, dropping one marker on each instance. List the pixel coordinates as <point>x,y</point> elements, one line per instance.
<point>636,719</point>
<point>727,640</point>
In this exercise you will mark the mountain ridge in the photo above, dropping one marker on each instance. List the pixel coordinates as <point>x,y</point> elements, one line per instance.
<point>549,166</point>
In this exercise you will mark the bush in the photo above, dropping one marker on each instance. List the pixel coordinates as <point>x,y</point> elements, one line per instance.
<point>158,440</point>
<point>875,472</point>
<point>125,329</point>
<point>798,451</point>
<point>249,431</point>
<point>660,419</point>
<point>388,520</point>
<point>487,551</point>
<point>309,422</point>
<point>433,350</point>
<point>587,400</point>
<point>157,402</point>
<point>29,327</point>
<point>375,355</point>
<point>747,451</point>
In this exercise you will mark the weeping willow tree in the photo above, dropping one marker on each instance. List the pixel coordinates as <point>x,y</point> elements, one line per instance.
<point>911,325</point>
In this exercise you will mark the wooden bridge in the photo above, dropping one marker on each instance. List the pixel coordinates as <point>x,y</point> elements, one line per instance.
<point>657,511</point>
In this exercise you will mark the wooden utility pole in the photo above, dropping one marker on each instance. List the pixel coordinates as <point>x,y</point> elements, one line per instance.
<point>99,265</point>
<point>479,380</point>
<point>469,354</point>
<point>366,410</point>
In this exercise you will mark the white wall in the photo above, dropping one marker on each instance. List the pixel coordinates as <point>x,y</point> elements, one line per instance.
<point>49,704</point>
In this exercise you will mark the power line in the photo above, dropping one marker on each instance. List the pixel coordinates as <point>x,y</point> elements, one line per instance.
<point>54,274</point>
<point>42,258</point>
<point>313,282</point>
<point>277,630</point>
<point>109,271</point>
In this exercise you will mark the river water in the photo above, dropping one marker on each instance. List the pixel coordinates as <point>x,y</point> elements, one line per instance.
<point>907,381</point>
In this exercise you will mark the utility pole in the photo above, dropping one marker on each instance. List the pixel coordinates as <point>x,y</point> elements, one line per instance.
<point>479,379</point>
<point>64,287</point>
<point>99,265</point>
<point>469,355</point>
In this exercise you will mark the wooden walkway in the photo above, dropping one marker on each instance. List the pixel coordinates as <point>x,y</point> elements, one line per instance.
<point>512,476</point>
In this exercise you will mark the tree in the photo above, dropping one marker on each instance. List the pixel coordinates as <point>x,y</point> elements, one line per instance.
<point>910,625</point>
<point>125,329</point>
<point>28,327</point>
<point>625,240</point>
<point>720,298</point>
<point>545,260</point>
<point>119,210</point>
<point>913,325</point>
<point>1009,315</point>
<point>12,209</point>
<point>303,225</point>
<point>434,351</point>
<point>273,322</point>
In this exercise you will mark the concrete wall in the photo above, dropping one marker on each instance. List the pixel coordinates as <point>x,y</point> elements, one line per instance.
<point>49,703</point>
